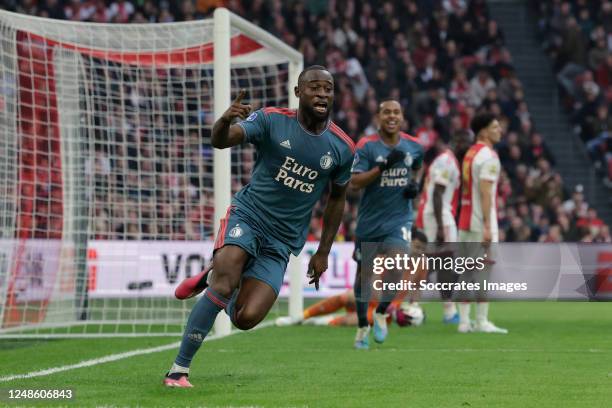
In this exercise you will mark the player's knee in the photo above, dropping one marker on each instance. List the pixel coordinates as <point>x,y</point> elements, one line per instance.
<point>223,283</point>
<point>247,318</point>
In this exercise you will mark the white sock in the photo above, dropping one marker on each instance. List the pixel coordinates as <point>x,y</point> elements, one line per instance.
<point>464,313</point>
<point>482,312</point>
<point>449,309</point>
<point>178,369</point>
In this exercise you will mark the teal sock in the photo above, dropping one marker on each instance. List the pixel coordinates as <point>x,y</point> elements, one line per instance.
<point>200,322</point>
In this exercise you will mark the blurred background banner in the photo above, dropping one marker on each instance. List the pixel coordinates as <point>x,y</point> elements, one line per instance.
<point>148,268</point>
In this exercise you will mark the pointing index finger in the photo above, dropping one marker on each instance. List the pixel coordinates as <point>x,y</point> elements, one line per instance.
<point>241,95</point>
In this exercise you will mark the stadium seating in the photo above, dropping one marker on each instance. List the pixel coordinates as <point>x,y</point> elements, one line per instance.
<point>577,35</point>
<point>444,61</point>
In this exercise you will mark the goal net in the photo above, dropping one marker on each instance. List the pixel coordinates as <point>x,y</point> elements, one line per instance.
<point>109,188</point>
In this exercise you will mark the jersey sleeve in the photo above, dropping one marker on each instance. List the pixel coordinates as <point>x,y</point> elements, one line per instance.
<point>441,172</point>
<point>417,163</point>
<point>490,169</point>
<point>361,162</point>
<point>342,174</point>
<point>256,127</point>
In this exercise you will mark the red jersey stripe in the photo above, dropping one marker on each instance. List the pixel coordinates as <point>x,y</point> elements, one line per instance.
<point>335,129</point>
<point>455,202</point>
<point>367,139</point>
<point>282,111</point>
<point>220,241</point>
<point>409,137</point>
<point>465,215</point>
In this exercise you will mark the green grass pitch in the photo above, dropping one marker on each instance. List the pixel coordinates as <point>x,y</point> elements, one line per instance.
<point>556,355</point>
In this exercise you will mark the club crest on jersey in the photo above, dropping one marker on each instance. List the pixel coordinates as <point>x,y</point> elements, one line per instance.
<point>236,232</point>
<point>408,159</point>
<point>326,161</point>
<point>251,117</point>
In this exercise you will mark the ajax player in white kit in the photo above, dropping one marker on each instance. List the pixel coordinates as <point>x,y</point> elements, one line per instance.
<point>478,216</point>
<point>438,206</point>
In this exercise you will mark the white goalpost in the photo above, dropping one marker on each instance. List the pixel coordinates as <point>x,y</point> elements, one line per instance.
<point>110,192</point>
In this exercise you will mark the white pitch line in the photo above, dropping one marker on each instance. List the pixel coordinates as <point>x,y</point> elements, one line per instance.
<point>116,357</point>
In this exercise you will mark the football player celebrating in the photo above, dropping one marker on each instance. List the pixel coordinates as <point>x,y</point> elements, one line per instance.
<point>300,153</point>
<point>384,168</point>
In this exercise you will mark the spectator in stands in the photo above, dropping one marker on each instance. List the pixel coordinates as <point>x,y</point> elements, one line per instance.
<point>479,86</point>
<point>52,9</point>
<point>598,53</point>
<point>587,85</point>
<point>443,62</point>
<point>538,149</point>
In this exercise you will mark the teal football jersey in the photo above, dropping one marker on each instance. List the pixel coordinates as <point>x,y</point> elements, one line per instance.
<point>383,208</point>
<point>292,169</point>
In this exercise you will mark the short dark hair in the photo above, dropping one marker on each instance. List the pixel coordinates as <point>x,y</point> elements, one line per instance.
<point>481,121</point>
<point>310,68</point>
<point>388,99</point>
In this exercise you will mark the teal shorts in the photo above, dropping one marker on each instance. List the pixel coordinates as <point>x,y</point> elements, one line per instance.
<point>398,240</point>
<point>268,256</point>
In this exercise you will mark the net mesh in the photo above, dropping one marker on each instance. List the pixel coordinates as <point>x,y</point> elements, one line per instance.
<point>106,169</point>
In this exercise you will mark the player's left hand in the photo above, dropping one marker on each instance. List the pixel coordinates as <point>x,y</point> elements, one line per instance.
<point>394,157</point>
<point>316,267</point>
<point>411,190</point>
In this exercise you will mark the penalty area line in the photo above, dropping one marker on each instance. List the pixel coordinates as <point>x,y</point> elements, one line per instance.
<point>119,356</point>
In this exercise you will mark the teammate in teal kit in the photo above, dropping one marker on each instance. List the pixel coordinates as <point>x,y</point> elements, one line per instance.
<point>384,167</point>
<point>299,154</point>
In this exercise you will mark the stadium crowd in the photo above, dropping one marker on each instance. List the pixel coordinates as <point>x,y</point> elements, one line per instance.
<point>443,60</point>
<point>578,36</point>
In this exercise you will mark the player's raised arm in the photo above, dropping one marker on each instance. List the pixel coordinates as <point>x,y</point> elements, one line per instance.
<point>224,134</point>
<point>331,221</point>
